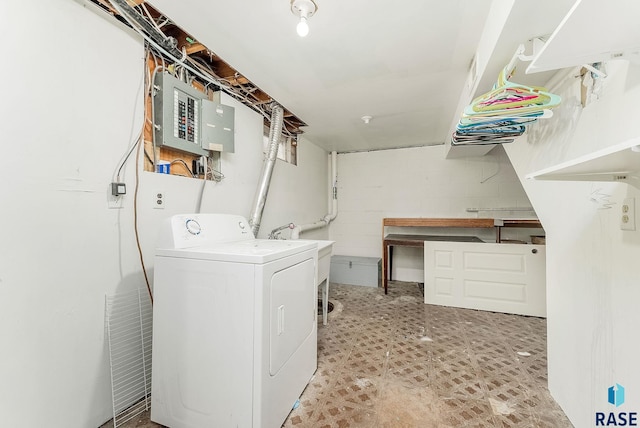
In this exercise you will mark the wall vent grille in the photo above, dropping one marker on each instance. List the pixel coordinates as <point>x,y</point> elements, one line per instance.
<point>129,325</point>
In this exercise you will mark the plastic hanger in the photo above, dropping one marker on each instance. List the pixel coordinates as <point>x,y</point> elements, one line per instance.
<point>512,96</point>
<point>502,114</point>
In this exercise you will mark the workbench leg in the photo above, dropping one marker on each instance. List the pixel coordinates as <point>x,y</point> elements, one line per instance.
<point>388,277</point>
<point>384,266</point>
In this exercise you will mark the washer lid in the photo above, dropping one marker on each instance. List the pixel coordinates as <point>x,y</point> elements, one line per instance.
<point>255,251</point>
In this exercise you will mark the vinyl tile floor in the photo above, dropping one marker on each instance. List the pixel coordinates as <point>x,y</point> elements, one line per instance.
<point>390,361</point>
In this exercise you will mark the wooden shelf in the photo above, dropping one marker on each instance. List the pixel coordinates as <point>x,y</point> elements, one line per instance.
<point>438,222</point>
<point>616,163</point>
<point>478,223</point>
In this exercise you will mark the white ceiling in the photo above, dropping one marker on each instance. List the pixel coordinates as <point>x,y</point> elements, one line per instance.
<point>403,63</point>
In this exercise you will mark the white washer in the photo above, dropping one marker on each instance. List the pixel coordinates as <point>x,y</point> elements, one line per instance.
<point>234,324</point>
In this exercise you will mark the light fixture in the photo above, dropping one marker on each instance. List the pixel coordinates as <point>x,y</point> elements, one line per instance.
<point>303,9</point>
<point>366,119</point>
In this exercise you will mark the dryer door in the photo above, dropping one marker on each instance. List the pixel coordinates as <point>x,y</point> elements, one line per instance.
<point>293,308</point>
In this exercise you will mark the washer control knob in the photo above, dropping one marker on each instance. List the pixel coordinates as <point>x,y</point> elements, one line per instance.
<point>193,227</point>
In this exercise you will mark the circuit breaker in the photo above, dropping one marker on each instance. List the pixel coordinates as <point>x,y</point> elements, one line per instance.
<point>183,116</point>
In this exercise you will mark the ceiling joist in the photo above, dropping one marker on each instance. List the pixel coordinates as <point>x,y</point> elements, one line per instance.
<point>208,62</point>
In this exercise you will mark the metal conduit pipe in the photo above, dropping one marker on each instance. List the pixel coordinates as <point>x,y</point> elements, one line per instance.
<point>277,117</point>
<point>295,232</point>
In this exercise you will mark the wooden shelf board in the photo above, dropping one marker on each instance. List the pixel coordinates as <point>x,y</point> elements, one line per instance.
<point>438,222</point>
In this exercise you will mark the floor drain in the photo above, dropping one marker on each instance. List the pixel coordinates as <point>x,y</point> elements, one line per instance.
<point>329,307</point>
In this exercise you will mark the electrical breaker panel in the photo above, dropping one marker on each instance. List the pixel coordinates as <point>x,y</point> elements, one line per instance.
<point>182,115</point>
<point>177,114</point>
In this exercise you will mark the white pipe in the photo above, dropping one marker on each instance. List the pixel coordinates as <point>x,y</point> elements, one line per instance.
<point>295,232</point>
<point>334,189</point>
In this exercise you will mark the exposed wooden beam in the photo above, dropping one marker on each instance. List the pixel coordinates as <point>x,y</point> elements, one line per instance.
<point>254,95</point>
<point>262,97</point>
<point>195,48</point>
<point>190,45</point>
<point>229,73</point>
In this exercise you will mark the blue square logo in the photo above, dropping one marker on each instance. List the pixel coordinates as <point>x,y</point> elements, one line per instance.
<point>616,395</point>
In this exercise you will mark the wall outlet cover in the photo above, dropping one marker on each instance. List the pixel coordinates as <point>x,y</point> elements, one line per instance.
<point>628,214</point>
<point>159,200</point>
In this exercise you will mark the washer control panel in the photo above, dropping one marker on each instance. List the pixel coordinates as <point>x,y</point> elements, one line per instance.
<point>192,230</point>
<point>193,227</point>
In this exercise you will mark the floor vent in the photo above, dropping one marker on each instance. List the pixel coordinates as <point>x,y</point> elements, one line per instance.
<point>329,307</point>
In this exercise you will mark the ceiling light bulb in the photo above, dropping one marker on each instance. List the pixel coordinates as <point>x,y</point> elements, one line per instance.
<point>303,9</point>
<point>302,28</point>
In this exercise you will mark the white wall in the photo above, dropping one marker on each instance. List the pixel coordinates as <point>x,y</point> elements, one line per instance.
<point>312,194</point>
<point>72,103</point>
<point>417,182</point>
<point>593,278</point>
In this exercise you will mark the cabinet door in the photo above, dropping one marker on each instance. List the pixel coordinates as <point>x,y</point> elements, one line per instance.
<point>494,277</point>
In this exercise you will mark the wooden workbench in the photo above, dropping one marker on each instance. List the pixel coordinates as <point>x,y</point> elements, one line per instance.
<point>389,241</point>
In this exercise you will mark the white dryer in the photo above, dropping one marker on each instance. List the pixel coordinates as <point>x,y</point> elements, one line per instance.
<point>234,324</point>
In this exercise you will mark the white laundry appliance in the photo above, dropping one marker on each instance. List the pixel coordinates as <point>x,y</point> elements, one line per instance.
<point>234,324</point>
